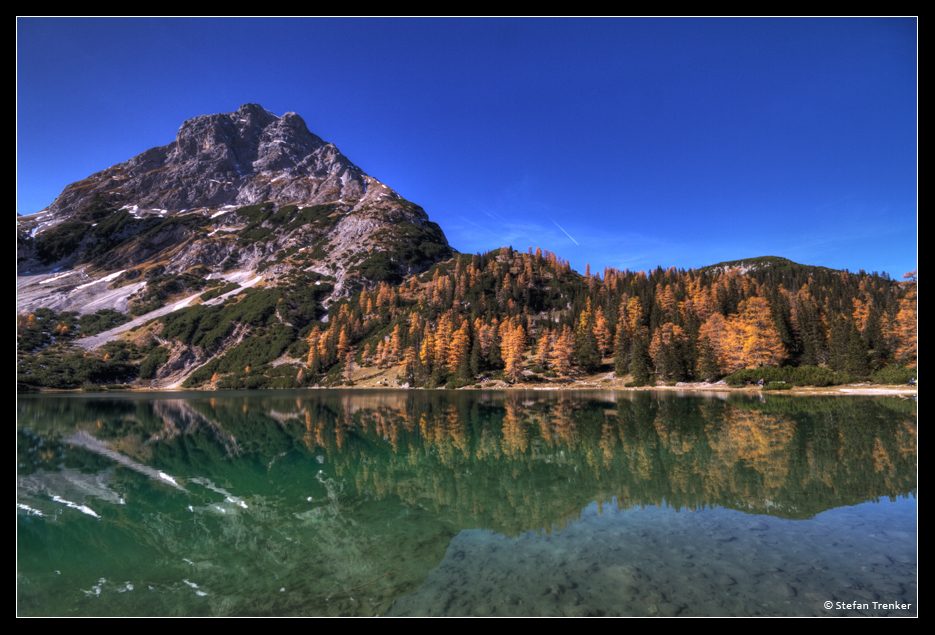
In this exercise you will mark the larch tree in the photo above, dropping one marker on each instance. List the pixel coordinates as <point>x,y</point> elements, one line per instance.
<point>427,352</point>
<point>622,343</point>
<point>514,347</point>
<point>349,365</point>
<point>314,357</point>
<point>344,343</point>
<point>907,323</point>
<point>602,332</point>
<point>544,348</point>
<point>762,345</point>
<point>563,351</point>
<point>459,349</point>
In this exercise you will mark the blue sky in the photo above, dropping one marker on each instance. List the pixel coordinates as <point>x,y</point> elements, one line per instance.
<point>630,143</point>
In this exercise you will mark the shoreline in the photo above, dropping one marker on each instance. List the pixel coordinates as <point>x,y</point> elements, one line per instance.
<point>867,390</point>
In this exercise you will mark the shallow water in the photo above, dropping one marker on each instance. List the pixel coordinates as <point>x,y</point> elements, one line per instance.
<point>653,561</point>
<point>466,503</point>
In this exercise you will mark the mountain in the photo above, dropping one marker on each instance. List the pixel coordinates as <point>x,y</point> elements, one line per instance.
<point>247,225</point>
<point>236,196</point>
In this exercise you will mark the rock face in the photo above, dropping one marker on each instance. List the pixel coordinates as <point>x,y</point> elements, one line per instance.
<point>239,158</point>
<point>235,195</point>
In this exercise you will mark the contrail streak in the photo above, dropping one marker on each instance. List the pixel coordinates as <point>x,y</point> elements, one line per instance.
<point>566,233</point>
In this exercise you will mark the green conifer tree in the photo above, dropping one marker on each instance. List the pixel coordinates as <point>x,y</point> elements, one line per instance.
<point>856,359</point>
<point>707,361</point>
<point>477,356</point>
<point>621,353</point>
<point>641,363</point>
<point>838,342</point>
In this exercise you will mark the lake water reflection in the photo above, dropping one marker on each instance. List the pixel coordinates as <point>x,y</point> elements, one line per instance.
<point>465,503</point>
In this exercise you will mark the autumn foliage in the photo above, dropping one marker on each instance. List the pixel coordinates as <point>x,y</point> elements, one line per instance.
<point>503,313</point>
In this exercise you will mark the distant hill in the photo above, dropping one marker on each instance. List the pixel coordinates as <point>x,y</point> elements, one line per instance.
<point>773,263</point>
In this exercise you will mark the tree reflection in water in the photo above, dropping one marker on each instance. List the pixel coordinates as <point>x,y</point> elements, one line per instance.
<point>346,500</point>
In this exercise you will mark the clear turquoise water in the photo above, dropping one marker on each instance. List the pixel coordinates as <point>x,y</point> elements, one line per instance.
<point>465,503</point>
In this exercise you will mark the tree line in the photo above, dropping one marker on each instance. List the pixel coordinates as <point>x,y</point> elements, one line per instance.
<point>504,312</point>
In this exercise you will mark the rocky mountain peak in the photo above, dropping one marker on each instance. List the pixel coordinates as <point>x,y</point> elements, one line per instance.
<point>246,141</point>
<point>238,158</point>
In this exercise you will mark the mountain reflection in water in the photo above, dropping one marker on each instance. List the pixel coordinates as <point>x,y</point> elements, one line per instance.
<point>465,503</point>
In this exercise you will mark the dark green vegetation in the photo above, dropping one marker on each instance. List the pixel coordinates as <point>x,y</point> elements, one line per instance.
<point>262,221</point>
<point>156,358</point>
<point>266,322</point>
<point>112,238</point>
<point>252,354</point>
<point>318,217</point>
<point>44,327</point>
<point>160,288</point>
<point>205,326</point>
<point>65,367</point>
<point>407,247</point>
<point>817,376</point>
<point>219,290</point>
<point>47,358</point>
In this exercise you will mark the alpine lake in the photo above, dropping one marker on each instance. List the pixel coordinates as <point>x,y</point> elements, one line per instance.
<point>455,503</point>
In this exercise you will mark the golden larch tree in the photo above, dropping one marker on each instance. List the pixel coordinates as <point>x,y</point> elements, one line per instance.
<point>716,330</point>
<point>514,347</point>
<point>544,345</point>
<point>761,344</point>
<point>563,350</point>
<point>602,332</point>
